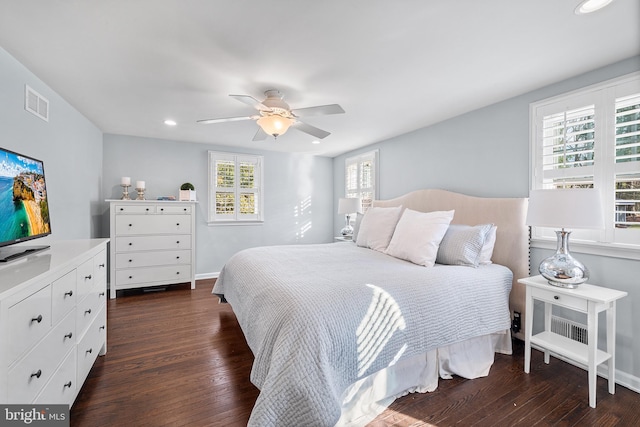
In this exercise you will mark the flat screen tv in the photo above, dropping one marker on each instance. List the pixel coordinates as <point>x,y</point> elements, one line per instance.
<point>24,207</point>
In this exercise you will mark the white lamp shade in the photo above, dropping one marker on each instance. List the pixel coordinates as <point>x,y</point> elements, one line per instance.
<point>565,208</point>
<point>349,205</point>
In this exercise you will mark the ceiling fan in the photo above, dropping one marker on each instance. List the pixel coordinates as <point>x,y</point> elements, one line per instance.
<point>275,116</point>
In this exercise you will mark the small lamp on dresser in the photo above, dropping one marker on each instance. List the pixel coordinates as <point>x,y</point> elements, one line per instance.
<point>348,206</point>
<point>564,208</point>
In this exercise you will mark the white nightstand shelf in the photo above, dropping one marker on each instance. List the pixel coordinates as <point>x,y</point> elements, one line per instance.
<point>567,347</point>
<point>588,299</point>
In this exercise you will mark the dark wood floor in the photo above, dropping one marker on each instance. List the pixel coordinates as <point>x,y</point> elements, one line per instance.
<point>178,358</point>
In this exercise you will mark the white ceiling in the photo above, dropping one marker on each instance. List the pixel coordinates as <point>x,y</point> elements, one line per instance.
<point>394,66</point>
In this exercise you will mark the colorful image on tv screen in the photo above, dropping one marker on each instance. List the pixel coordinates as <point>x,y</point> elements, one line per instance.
<point>24,211</point>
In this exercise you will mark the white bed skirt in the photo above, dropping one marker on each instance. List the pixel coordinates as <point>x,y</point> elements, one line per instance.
<point>370,396</point>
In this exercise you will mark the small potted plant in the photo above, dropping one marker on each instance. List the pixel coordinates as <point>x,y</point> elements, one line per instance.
<point>187,192</point>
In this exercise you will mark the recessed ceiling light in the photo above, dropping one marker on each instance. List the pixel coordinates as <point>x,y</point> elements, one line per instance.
<point>169,122</point>
<point>588,6</point>
<point>315,141</point>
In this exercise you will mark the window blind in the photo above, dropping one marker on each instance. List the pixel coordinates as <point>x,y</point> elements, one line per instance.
<point>591,138</point>
<point>235,187</point>
<point>627,161</point>
<point>360,178</point>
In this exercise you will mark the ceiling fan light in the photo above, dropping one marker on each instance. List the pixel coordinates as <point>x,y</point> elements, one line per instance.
<point>274,125</point>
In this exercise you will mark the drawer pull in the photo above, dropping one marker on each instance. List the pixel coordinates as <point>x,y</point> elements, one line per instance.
<point>130,225</point>
<point>130,244</point>
<point>178,242</point>
<point>147,209</point>
<point>161,209</point>
<point>101,265</point>
<point>37,319</point>
<point>130,260</point>
<point>178,224</point>
<point>101,327</point>
<point>89,351</point>
<point>87,311</point>
<point>185,209</point>
<point>177,257</point>
<point>87,277</point>
<point>37,374</point>
<point>556,297</point>
<point>69,335</point>
<point>101,294</point>
<point>68,294</point>
<point>67,385</point>
<point>121,209</point>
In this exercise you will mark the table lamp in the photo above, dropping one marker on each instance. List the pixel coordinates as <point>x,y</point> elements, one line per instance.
<point>348,206</point>
<point>564,208</point>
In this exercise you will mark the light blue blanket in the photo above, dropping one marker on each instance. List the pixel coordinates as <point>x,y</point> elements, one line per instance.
<point>320,317</point>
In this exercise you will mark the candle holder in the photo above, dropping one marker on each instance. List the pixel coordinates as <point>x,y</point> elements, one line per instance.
<point>140,193</point>
<point>125,192</point>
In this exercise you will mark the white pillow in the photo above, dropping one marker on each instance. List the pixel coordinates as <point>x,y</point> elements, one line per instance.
<point>376,227</point>
<point>418,235</point>
<point>487,249</point>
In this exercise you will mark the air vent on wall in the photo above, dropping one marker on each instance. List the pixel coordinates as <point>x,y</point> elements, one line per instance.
<point>36,103</point>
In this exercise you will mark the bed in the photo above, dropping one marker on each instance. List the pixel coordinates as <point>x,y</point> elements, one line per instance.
<point>341,330</point>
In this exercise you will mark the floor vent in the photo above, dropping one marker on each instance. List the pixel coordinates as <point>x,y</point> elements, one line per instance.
<point>567,328</point>
<point>36,103</point>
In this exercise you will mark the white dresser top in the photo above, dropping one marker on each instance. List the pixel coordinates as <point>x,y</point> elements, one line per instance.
<point>18,274</point>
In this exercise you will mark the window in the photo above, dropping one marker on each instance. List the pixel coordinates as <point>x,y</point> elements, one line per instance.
<point>591,138</point>
<point>235,188</point>
<point>360,178</point>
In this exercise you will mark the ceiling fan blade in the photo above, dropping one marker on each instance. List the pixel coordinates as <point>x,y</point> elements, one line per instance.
<point>260,135</point>
<point>311,130</point>
<point>250,100</point>
<point>320,110</point>
<point>227,119</point>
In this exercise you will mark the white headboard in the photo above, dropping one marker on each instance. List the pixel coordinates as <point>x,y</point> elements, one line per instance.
<point>508,214</point>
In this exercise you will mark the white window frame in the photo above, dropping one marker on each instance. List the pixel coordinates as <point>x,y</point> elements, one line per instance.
<point>357,162</point>
<point>612,241</point>
<point>236,218</point>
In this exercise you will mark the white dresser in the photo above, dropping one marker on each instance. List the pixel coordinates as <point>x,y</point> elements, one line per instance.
<point>53,321</point>
<point>152,243</point>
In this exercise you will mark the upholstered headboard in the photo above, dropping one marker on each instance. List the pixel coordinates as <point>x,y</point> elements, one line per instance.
<point>508,214</point>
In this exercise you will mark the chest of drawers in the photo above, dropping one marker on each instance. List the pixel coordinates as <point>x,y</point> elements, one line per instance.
<point>52,321</point>
<point>153,243</point>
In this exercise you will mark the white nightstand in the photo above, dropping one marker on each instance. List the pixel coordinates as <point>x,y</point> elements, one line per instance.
<point>587,299</point>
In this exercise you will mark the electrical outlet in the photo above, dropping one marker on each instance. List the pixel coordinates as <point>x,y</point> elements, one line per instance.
<point>515,323</point>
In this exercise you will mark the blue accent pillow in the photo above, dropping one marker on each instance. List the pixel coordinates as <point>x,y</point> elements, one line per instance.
<point>462,244</point>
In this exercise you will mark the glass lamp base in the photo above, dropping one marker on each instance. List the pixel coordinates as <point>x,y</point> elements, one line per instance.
<point>561,269</point>
<point>348,229</point>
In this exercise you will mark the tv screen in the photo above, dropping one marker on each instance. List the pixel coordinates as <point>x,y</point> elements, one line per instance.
<point>24,210</point>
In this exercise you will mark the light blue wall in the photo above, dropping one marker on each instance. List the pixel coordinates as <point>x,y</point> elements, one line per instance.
<point>298,193</point>
<point>486,153</point>
<point>69,145</point>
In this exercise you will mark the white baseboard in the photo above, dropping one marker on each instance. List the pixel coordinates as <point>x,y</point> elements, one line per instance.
<point>204,276</point>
